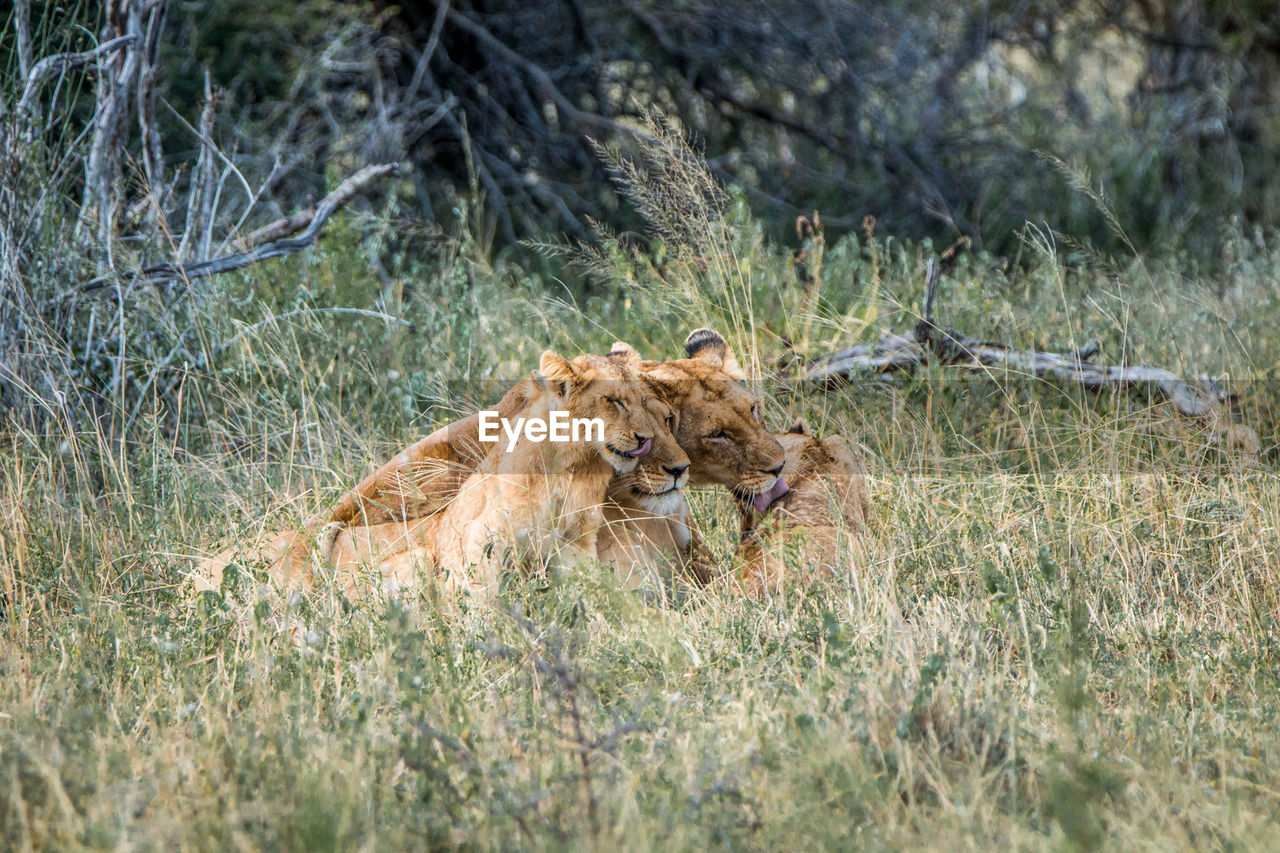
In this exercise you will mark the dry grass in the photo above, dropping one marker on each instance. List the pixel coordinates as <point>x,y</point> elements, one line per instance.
<point>1064,635</point>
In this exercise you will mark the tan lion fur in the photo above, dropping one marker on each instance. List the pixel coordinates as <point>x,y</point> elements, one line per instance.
<point>705,388</point>
<point>540,502</point>
<point>720,429</point>
<point>647,531</point>
<point>810,533</point>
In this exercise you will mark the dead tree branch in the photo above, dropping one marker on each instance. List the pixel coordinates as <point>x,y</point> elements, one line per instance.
<point>102,166</point>
<point>163,275</point>
<point>152,155</point>
<point>48,66</point>
<point>929,344</point>
<point>536,73</point>
<point>22,23</point>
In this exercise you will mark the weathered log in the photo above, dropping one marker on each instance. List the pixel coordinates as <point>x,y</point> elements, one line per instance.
<point>929,344</point>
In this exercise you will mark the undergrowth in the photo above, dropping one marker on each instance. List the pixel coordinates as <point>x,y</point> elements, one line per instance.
<point>1064,633</point>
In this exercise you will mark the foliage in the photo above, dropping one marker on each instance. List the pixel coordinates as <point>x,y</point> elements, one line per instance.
<point>98,184</point>
<point>939,120</point>
<point>1064,634</point>
<point>931,117</point>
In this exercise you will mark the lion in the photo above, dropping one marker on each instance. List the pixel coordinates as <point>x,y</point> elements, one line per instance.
<point>351,556</point>
<point>813,526</point>
<point>284,556</point>
<point>721,425</point>
<point>647,524</point>
<point>720,428</point>
<point>529,501</point>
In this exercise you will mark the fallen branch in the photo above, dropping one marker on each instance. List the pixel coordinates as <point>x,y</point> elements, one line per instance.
<point>162,275</point>
<point>927,343</point>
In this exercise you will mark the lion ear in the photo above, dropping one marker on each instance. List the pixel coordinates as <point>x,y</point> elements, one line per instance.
<point>624,353</point>
<point>557,368</point>
<point>800,427</point>
<point>711,347</point>
<point>707,345</point>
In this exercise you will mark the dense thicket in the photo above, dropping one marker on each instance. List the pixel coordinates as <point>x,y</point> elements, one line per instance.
<point>941,119</point>
<point>936,118</point>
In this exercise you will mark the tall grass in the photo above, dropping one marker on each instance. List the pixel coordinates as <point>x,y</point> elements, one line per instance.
<point>1064,634</point>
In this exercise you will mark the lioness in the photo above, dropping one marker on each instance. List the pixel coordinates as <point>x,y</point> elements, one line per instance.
<point>721,425</point>
<point>719,428</point>
<point>812,527</point>
<point>345,553</point>
<point>537,497</point>
<point>647,524</point>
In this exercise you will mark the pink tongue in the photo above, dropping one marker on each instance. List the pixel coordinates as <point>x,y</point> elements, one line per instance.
<point>764,500</point>
<point>642,449</point>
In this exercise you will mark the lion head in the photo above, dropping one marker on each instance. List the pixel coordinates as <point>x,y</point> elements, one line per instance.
<point>823,466</point>
<point>720,424</point>
<point>607,389</point>
<point>655,484</point>
<point>812,531</point>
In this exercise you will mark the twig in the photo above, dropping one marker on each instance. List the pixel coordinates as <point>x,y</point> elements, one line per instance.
<point>539,75</point>
<point>22,16</point>
<point>161,275</point>
<point>102,166</point>
<point>227,239</point>
<point>200,206</point>
<point>152,153</point>
<point>286,227</point>
<point>925,328</point>
<point>1089,350</point>
<point>433,41</point>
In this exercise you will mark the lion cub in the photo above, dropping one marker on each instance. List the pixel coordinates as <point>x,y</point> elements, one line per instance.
<point>810,528</point>
<point>530,502</point>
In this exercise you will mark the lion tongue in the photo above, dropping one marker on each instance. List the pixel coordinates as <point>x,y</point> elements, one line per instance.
<point>764,500</point>
<point>642,449</point>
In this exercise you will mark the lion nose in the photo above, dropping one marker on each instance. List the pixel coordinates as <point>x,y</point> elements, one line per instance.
<point>777,472</point>
<point>676,471</point>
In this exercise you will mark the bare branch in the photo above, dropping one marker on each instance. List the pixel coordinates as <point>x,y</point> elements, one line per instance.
<point>929,344</point>
<point>22,15</point>
<point>286,227</point>
<point>200,196</point>
<point>433,41</point>
<point>152,155</point>
<point>46,67</point>
<point>162,275</point>
<point>102,166</point>
<point>925,328</point>
<point>539,75</point>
